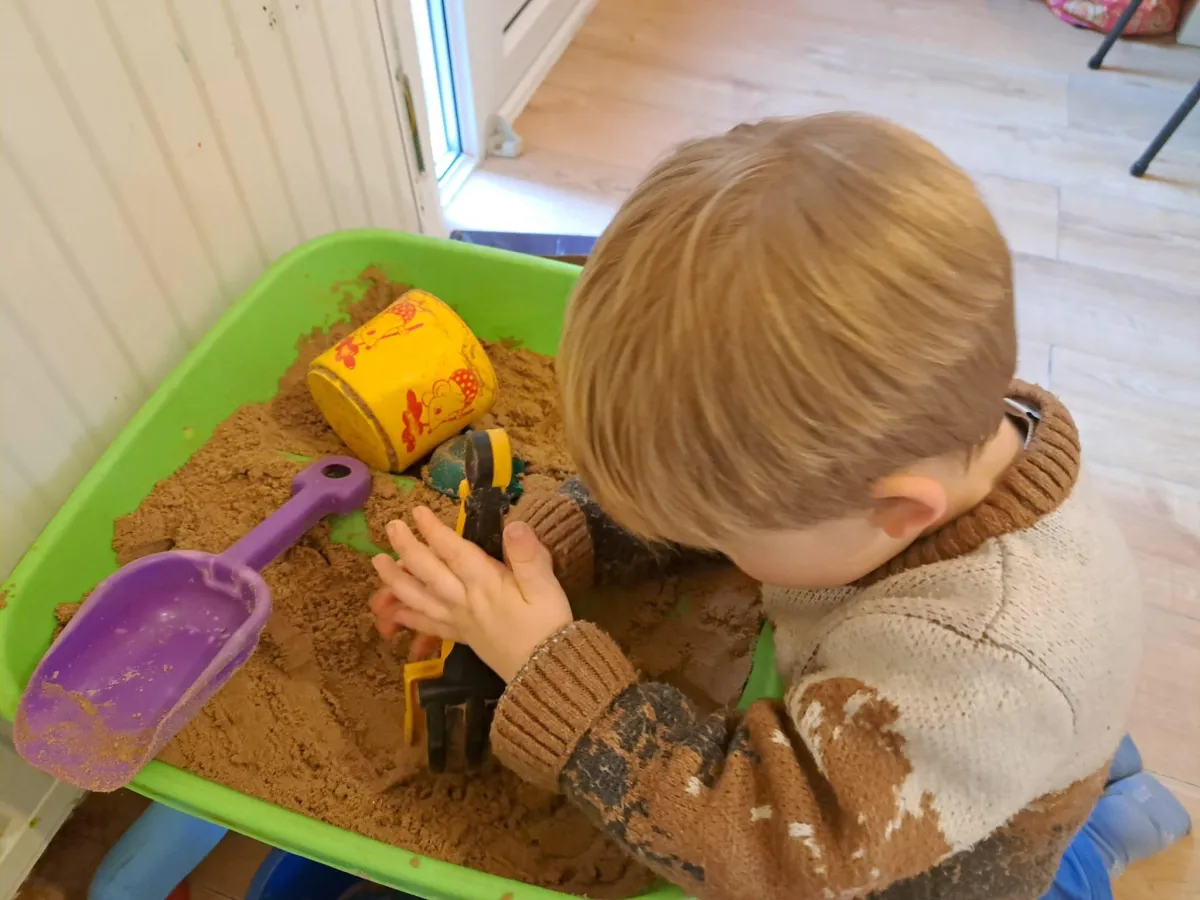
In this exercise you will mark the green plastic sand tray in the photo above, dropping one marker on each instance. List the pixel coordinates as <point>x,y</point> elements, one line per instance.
<point>499,294</point>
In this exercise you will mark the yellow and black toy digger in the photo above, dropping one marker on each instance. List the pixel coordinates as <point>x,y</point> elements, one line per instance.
<point>457,687</point>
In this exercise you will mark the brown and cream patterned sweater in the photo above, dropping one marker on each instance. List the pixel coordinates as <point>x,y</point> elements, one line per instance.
<point>946,729</point>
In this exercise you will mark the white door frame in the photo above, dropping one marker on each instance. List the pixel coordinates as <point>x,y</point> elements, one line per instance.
<point>398,28</point>
<point>476,50</point>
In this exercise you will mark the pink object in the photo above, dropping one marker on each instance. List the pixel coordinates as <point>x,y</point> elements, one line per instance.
<point>1154,16</point>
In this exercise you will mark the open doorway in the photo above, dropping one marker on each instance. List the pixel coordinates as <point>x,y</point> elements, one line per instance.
<point>479,63</point>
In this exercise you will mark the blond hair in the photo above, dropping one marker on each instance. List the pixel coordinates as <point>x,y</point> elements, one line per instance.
<point>776,318</point>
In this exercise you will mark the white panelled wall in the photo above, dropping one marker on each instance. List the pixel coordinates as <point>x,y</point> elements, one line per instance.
<point>155,157</point>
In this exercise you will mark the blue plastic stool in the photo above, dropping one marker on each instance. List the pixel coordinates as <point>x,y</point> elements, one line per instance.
<point>284,876</point>
<point>155,854</point>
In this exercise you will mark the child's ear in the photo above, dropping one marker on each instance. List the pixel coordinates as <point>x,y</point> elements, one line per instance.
<point>907,505</point>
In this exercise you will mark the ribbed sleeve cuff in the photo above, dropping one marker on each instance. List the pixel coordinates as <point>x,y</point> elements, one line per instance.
<point>567,685</point>
<point>562,528</point>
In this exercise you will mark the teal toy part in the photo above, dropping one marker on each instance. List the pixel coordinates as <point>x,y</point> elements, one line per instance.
<point>447,469</point>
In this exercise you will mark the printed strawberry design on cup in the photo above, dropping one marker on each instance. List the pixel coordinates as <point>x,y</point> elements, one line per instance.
<point>405,309</point>
<point>450,398</point>
<point>468,383</point>
<point>395,389</point>
<point>346,350</point>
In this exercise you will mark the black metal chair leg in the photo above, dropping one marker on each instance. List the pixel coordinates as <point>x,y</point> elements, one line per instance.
<point>1111,38</point>
<point>1138,169</point>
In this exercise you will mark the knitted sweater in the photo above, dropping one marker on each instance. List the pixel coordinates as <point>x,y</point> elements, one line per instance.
<point>945,732</point>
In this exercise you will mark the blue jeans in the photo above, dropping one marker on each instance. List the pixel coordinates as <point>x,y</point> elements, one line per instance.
<point>1118,830</point>
<point>1082,874</point>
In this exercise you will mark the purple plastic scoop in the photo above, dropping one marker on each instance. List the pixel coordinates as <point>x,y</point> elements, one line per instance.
<point>158,637</point>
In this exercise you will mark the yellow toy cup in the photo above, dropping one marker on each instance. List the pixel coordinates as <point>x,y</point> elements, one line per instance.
<point>404,382</point>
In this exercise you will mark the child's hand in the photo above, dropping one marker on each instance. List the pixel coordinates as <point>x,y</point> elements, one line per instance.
<point>383,606</point>
<point>450,588</point>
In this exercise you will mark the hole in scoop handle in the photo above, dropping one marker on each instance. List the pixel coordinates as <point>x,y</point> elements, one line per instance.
<point>333,485</point>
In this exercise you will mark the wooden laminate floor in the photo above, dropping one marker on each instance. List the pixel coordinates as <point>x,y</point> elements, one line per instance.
<point>1108,266</point>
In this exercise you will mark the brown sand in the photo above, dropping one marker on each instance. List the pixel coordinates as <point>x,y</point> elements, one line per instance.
<point>314,721</point>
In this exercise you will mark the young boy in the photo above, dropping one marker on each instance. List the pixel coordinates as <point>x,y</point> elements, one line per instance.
<point>794,346</point>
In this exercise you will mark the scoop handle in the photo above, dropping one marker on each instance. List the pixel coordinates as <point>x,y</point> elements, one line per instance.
<point>335,484</point>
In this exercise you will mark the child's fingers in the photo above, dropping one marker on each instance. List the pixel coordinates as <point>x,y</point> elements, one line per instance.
<point>386,627</point>
<point>420,560</point>
<point>381,601</point>
<point>462,557</point>
<point>424,646</point>
<point>385,568</point>
<point>381,604</point>
<point>407,591</point>
<point>531,564</point>
<point>414,621</point>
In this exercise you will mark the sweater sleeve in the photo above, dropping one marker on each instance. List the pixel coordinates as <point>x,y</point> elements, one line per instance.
<point>868,774</point>
<point>587,547</point>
